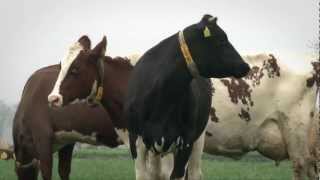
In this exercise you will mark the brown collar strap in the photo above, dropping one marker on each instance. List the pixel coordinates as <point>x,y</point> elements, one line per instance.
<point>187,56</point>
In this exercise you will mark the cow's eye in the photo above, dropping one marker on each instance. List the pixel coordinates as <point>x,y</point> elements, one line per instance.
<point>223,41</point>
<point>74,71</point>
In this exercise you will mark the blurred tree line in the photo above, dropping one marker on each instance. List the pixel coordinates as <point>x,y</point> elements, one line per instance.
<point>6,119</point>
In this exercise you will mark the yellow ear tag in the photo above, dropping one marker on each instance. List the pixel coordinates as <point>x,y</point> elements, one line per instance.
<point>206,32</point>
<point>4,156</point>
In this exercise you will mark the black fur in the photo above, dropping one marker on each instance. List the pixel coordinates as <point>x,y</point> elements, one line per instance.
<point>164,100</point>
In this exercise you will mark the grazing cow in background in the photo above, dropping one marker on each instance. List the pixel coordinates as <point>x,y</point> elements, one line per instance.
<point>38,130</point>
<point>272,110</point>
<point>168,101</point>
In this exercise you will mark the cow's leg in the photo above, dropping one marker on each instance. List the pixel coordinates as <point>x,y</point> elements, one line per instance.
<point>304,167</point>
<point>65,157</point>
<point>297,139</point>
<point>154,168</point>
<point>166,166</point>
<point>299,169</point>
<point>24,167</point>
<point>318,159</point>
<point>141,160</point>
<point>44,148</point>
<point>312,169</point>
<point>194,165</point>
<point>180,161</point>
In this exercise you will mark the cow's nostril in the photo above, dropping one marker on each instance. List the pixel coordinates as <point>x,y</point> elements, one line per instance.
<point>55,100</point>
<point>242,71</point>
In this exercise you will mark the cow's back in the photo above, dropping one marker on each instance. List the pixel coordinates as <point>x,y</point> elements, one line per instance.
<point>33,96</point>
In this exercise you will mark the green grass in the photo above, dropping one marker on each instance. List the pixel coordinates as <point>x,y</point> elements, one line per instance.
<point>116,164</point>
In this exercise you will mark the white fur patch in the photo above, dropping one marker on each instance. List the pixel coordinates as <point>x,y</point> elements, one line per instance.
<point>123,135</point>
<point>73,52</point>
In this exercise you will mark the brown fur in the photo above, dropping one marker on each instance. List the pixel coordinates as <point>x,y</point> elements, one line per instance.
<point>35,124</point>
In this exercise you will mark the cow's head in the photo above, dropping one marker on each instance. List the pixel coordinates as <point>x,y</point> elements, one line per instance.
<point>213,54</point>
<point>78,76</point>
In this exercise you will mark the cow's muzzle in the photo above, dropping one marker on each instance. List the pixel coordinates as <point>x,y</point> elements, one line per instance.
<point>55,100</point>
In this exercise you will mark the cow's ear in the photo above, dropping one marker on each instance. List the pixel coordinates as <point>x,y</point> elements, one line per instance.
<point>204,24</point>
<point>85,42</point>
<point>99,51</point>
<point>207,18</point>
<point>101,47</point>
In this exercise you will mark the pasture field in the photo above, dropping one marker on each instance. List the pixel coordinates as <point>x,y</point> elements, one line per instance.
<point>116,164</point>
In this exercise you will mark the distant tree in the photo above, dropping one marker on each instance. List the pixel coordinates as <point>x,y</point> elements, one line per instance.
<point>315,46</point>
<point>6,117</point>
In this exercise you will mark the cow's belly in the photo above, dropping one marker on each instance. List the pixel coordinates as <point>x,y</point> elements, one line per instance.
<point>224,141</point>
<point>62,138</point>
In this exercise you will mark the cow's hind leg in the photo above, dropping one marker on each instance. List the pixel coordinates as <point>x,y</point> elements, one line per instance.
<point>300,168</point>
<point>194,165</point>
<point>311,165</point>
<point>65,157</point>
<point>154,162</point>
<point>166,166</point>
<point>180,161</point>
<point>141,160</point>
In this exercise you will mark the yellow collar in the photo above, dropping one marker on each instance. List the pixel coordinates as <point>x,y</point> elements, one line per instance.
<point>187,56</point>
<point>99,94</point>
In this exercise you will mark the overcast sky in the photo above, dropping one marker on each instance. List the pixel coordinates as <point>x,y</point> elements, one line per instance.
<point>36,33</point>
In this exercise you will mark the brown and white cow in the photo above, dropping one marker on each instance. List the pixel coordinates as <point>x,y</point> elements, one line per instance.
<point>272,110</point>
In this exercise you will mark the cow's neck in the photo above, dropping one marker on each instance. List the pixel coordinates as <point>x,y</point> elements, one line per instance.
<point>177,77</point>
<point>113,102</point>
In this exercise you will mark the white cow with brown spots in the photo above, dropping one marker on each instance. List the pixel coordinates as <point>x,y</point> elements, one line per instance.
<point>272,110</point>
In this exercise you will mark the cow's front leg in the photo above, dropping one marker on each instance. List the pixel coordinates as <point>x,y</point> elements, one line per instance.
<point>141,160</point>
<point>194,165</point>
<point>25,166</point>
<point>180,161</point>
<point>44,148</point>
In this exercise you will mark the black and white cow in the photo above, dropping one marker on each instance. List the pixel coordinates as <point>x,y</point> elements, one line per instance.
<point>169,93</point>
